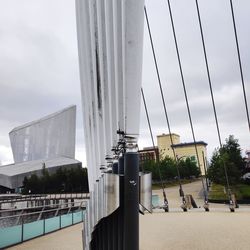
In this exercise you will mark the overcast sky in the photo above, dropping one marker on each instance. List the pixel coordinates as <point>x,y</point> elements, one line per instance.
<point>39,68</point>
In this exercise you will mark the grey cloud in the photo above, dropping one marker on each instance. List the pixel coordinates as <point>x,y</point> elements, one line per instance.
<point>39,67</point>
<point>39,63</point>
<point>220,43</point>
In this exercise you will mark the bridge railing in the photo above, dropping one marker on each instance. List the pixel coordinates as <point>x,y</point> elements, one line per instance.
<point>25,231</point>
<point>45,196</point>
<point>22,212</point>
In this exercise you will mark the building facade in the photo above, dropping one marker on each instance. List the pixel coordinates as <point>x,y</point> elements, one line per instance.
<point>49,142</point>
<point>183,150</point>
<point>12,176</point>
<point>148,154</point>
<point>49,137</point>
<point>164,144</point>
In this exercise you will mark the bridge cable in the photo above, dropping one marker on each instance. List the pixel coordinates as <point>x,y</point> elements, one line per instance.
<point>240,64</point>
<point>186,97</point>
<point>157,156</point>
<point>164,104</point>
<point>212,95</point>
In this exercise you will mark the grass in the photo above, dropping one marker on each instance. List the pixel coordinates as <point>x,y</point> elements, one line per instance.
<point>243,191</point>
<point>217,192</point>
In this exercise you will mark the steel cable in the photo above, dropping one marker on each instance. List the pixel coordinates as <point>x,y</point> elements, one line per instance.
<point>185,94</point>
<point>211,93</point>
<point>240,64</point>
<point>152,138</point>
<point>163,100</point>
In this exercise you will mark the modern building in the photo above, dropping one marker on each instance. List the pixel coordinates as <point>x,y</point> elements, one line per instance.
<point>48,142</point>
<point>49,137</point>
<point>182,150</point>
<point>12,176</point>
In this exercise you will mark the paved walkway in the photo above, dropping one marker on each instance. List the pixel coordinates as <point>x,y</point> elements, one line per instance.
<point>195,230</point>
<point>69,238</point>
<point>173,197</point>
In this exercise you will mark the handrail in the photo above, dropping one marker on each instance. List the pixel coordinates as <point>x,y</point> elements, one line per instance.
<point>46,197</point>
<point>38,195</point>
<point>20,196</point>
<point>29,208</point>
<point>38,212</point>
<point>23,233</point>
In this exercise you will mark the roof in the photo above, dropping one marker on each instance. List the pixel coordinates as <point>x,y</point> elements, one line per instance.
<point>148,149</point>
<point>186,144</point>
<point>43,118</point>
<point>162,135</point>
<point>30,166</point>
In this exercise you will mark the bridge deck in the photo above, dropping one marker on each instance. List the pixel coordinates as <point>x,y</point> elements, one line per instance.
<point>172,231</point>
<point>194,230</point>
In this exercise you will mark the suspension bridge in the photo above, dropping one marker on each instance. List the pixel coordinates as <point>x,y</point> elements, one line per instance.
<point>110,42</point>
<point>120,225</point>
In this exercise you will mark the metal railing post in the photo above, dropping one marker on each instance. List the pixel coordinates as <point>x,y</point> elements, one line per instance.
<point>22,229</point>
<point>44,226</point>
<point>60,221</point>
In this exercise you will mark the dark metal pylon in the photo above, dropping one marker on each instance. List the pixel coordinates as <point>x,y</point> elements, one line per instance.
<point>120,230</point>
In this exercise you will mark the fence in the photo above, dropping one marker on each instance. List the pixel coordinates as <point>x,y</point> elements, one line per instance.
<point>26,231</point>
<point>37,197</point>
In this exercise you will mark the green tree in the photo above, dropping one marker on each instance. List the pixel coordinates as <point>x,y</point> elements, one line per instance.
<point>151,166</point>
<point>34,185</point>
<point>63,180</point>
<point>188,168</point>
<point>168,168</point>
<point>45,180</point>
<point>229,157</point>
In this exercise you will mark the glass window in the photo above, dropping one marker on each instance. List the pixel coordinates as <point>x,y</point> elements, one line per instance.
<point>32,230</point>
<point>10,236</point>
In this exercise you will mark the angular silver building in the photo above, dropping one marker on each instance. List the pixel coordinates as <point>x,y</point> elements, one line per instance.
<point>49,140</point>
<point>49,137</point>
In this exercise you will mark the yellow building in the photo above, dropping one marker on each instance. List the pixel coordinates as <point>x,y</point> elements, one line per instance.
<point>164,144</point>
<point>182,150</point>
